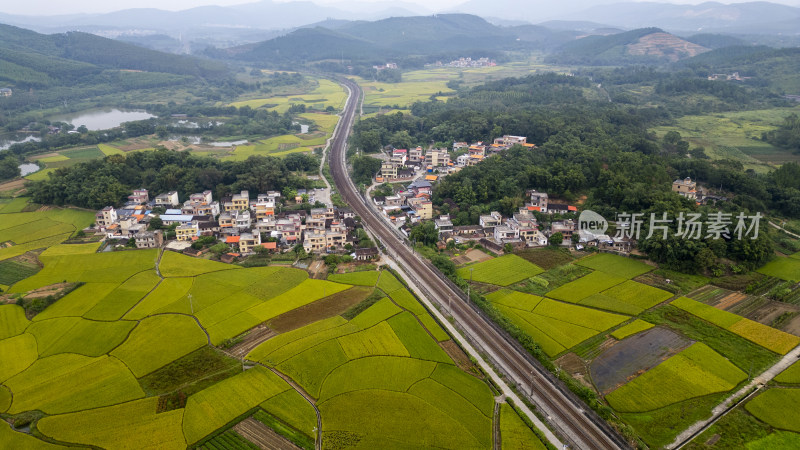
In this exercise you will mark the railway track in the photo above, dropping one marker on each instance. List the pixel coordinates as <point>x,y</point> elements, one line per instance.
<point>578,426</point>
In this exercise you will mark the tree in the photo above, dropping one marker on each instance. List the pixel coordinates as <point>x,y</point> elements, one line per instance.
<point>425,232</point>
<point>556,239</point>
<point>156,224</point>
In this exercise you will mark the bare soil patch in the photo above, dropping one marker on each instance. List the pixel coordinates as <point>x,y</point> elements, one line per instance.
<point>730,300</point>
<point>48,290</point>
<point>546,258</point>
<point>574,365</point>
<point>263,436</point>
<point>318,270</point>
<point>793,326</point>
<point>13,185</point>
<point>330,306</point>
<point>634,356</point>
<point>770,311</point>
<point>471,256</point>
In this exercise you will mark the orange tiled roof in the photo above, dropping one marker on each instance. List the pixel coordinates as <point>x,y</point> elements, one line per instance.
<point>270,245</point>
<point>232,239</point>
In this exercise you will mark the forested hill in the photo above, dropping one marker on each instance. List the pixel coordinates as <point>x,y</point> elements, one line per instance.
<point>397,37</point>
<point>30,58</point>
<point>644,45</point>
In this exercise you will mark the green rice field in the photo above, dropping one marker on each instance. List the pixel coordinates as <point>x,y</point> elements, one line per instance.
<point>777,407</point>
<point>616,265</point>
<point>763,335</point>
<point>694,372</point>
<point>502,271</point>
<point>637,326</point>
<point>783,268</point>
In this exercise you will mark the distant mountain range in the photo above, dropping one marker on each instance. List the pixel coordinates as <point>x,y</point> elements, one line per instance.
<point>442,34</point>
<point>196,28</point>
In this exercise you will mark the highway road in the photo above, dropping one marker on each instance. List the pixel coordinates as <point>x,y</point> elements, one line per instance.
<point>570,417</point>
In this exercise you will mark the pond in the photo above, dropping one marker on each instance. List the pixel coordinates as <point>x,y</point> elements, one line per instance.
<point>228,144</point>
<point>7,140</point>
<point>102,118</point>
<point>28,168</point>
<point>303,127</point>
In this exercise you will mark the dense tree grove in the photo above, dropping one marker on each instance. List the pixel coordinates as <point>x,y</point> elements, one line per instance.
<point>98,183</point>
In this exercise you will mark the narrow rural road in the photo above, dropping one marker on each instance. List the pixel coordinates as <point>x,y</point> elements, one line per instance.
<point>580,427</point>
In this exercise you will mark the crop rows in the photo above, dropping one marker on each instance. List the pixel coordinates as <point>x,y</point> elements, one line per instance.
<point>767,337</point>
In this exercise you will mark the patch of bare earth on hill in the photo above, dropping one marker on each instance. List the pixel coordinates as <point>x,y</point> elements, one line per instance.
<point>330,306</point>
<point>666,46</point>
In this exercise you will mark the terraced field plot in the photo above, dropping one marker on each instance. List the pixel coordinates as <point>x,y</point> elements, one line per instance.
<point>777,407</point>
<point>783,268</point>
<point>694,372</point>
<point>790,375</point>
<point>554,325</point>
<point>401,370</point>
<point>514,433</point>
<point>327,93</point>
<point>580,289</point>
<point>763,335</point>
<point>502,271</point>
<point>637,326</point>
<point>629,297</point>
<point>90,360</point>
<point>41,229</point>
<point>616,265</point>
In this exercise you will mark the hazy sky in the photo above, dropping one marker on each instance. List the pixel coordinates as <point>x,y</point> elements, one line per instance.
<point>51,7</point>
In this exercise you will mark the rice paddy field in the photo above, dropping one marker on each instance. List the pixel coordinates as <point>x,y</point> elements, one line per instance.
<point>325,93</point>
<point>556,326</point>
<point>763,335</point>
<point>502,271</point>
<point>119,362</point>
<point>695,372</point>
<point>22,232</point>
<point>783,268</point>
<point>735,135</point>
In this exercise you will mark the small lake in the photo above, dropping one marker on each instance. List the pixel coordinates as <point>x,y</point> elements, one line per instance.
<point>102,118</point>
<point>28,168</point>
<point>7,140</point>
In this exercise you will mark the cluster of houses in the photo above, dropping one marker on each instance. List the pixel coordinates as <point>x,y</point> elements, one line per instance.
<point>6,92</point>
<point>236,219</point>
<point>405,164</point>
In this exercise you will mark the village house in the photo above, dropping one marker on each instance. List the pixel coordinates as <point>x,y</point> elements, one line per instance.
<point>201,204</point>
<point>247,241</point>
<point>539,200</point>
<point>239,219</point>
<point>415,155</point>
<point>264,206</point>
<point>443,224</point>
<point>187,231</point>
<point>105,218</point>
<point>565,227</point>
<point>437,158</point>
<point>422,206</point>
<point>686,188</point>
<point>167,200</point>
<point>149,239</point>
<point>489,221</point>
<point>238,202</point>
<point>174,216</point>
<point>459,145</point>
<point>139,197</point>
<point>366,254</point>
<point>6,92</point>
